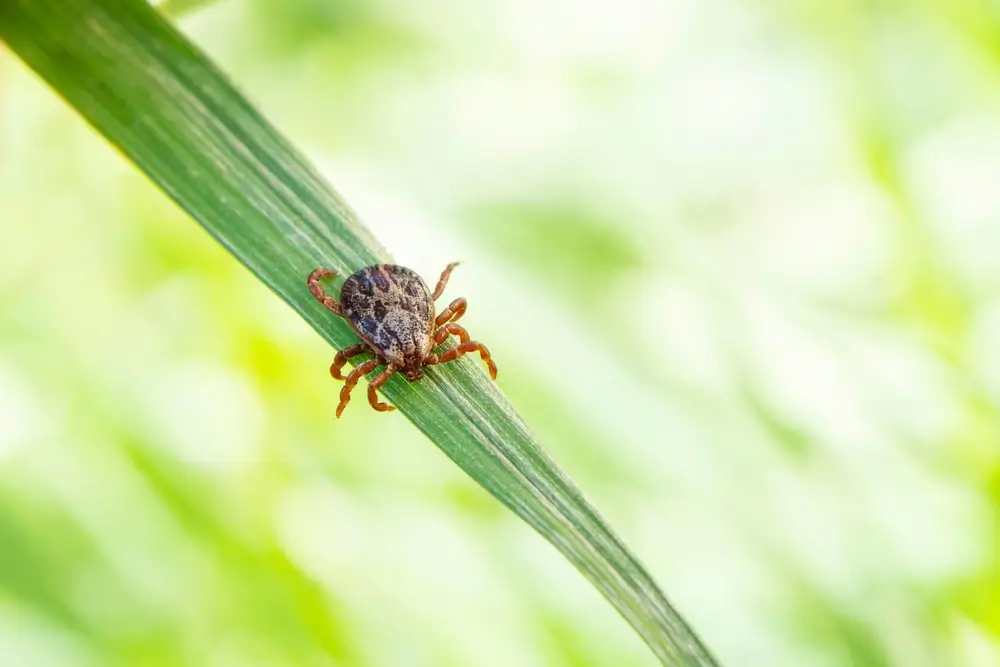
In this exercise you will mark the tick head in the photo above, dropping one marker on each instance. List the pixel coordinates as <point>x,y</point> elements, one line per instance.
<point>413,370</point>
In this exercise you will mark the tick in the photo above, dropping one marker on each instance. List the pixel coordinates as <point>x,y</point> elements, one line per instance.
<point>391,310</point>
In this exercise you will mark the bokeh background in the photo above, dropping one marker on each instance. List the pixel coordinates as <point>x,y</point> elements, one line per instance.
<point>738,263</point>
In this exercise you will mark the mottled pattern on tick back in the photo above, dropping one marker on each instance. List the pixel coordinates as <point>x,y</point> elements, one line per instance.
<point>391,309</point>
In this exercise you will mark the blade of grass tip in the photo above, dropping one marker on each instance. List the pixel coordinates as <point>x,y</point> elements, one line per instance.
<point>157,98</point>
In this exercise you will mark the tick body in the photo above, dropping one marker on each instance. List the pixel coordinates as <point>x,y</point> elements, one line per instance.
<point>391,309</point>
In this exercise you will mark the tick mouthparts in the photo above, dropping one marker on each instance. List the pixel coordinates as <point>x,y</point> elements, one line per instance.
<point>413,375</point>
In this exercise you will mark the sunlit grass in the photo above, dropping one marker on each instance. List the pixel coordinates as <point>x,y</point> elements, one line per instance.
<point>155,97</point>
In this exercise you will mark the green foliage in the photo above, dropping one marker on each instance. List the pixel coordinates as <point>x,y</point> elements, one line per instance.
<point>158,99</point>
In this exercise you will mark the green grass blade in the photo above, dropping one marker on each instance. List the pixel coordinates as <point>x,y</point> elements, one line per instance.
<point>156,97</point>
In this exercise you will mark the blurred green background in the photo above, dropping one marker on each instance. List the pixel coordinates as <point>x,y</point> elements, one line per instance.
<point>737,262</point>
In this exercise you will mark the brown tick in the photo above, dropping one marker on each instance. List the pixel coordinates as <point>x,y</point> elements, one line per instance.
<point>391,310</point>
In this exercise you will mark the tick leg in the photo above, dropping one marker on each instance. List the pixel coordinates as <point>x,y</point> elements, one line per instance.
<point>456,352</point>
<point>441,335</point>
<point>317,289</point>
<point>352,380</point>
<point>451,314</point>
<point>343,356</point>
<point>374,385</point>
<point>443,281</point>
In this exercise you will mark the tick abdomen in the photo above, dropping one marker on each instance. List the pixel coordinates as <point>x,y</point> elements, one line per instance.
<point>390,308</point>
